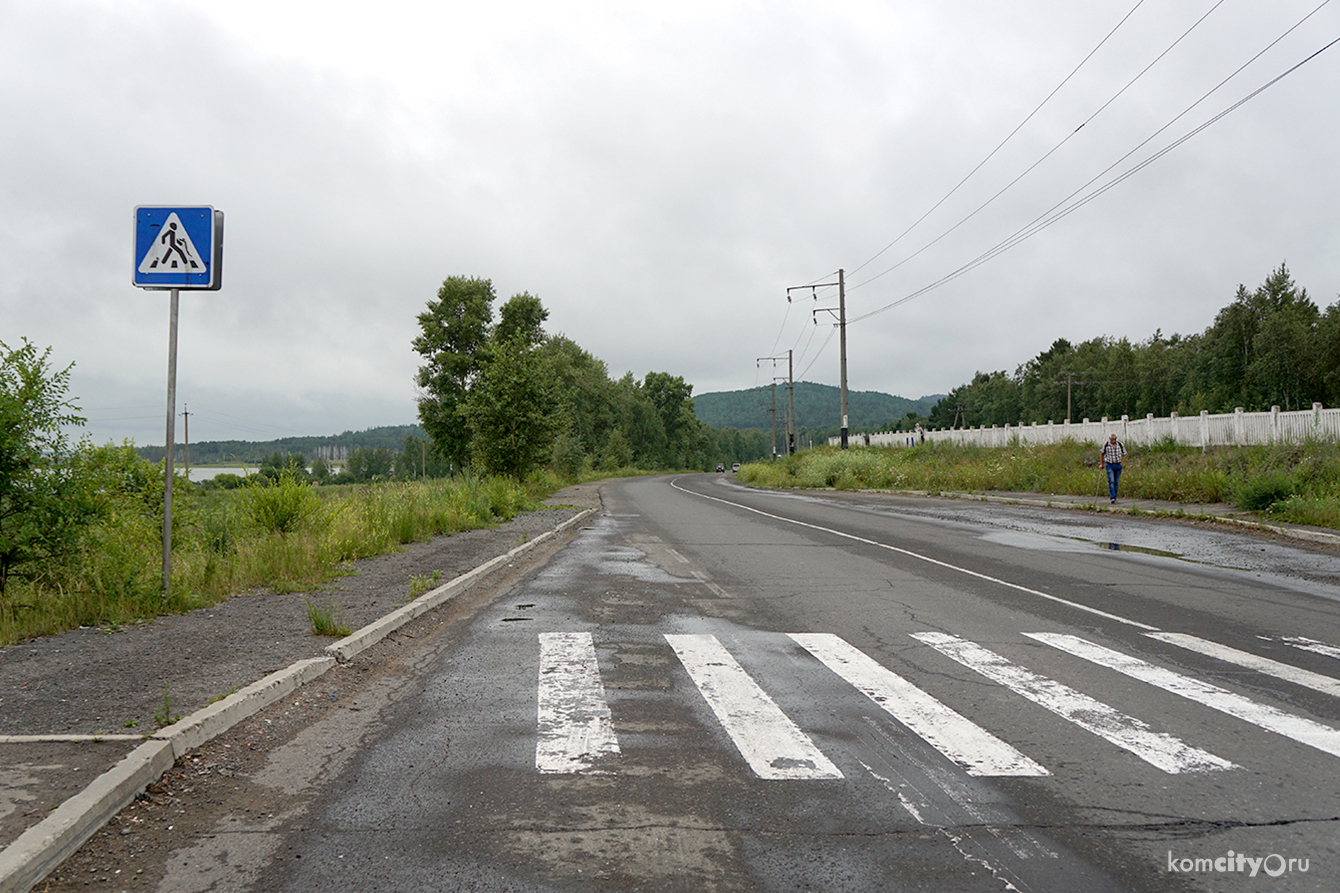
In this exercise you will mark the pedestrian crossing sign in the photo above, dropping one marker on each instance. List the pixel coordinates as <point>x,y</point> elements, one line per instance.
<point>178,247</point>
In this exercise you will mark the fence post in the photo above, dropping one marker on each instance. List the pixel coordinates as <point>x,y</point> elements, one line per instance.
<point>1274,424</point>
<point>1239,427</point>
<point>1204,429</point>
<point>1176,429</point>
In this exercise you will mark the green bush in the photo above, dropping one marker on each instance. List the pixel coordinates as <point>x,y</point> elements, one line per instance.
<point>283,505</point>
<point>1259,492</point>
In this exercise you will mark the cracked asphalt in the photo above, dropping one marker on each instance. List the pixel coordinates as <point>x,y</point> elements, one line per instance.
<point>702,611</point>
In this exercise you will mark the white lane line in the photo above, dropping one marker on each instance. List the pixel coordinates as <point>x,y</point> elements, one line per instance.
<point>1313,645</point>
<point>702,578</point>
<point>1159,749</point>
<point>964,742</point>
<point>926,558</point>
<point>1299,728</point>
<point>1324,684</point>
<point>575,729</point>
<point>770,743</point>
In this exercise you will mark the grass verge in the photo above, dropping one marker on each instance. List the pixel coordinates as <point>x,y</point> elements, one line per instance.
<point>1294,483</point>
<point>287,537</point>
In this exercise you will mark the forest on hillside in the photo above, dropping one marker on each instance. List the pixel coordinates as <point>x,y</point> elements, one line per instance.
<point>817,407</point>
<point>1271,346</point>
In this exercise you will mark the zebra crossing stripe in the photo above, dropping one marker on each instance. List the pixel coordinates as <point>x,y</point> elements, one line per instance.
<point>575,729</point>
<point>1324,684</point>
<point>1299,728</point>
<point>963,742</point>
<point>1159,749</point>
<point>770,743</point>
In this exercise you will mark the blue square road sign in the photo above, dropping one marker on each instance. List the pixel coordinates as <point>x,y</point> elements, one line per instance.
<point>178,247</point>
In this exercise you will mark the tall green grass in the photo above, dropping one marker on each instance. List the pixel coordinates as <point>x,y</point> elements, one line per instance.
<point>289,536</point>
<point>1297,483</point>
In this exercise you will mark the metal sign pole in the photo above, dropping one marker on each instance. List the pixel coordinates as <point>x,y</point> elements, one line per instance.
<point>171,448</point>
<point>176,247</point>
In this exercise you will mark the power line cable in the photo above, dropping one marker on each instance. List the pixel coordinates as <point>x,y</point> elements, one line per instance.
<point>820,353</point>
<point>1050,152</point>
<point>1008,137</point>
<point>1044,221</point>
<point>1052,215</point>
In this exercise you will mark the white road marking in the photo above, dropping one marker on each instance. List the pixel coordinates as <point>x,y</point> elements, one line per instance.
<point>926,558</point>
<point>770,743</point>
<point>1313,645</point>
<point>1159,749</point>
<point>575,729</point>
<point>702,578</point>
<point>967,744</point>
<point>1299,728</point>
<point>1324,684</point>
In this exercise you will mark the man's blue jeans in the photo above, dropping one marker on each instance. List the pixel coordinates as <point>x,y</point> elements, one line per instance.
<point>1113,477</point>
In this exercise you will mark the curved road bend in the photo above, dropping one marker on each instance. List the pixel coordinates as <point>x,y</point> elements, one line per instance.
<point>713,688</point>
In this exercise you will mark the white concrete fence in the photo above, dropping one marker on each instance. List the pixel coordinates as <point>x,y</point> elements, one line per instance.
<point>1224,429</point>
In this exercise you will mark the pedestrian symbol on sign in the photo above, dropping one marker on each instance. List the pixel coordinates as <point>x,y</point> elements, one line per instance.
<point>172,250</point>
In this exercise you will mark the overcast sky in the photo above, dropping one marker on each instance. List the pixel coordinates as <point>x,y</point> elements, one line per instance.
<point>658,174</point>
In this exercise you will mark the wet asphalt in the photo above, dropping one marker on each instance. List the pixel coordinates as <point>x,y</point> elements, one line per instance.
<point>435,781</point>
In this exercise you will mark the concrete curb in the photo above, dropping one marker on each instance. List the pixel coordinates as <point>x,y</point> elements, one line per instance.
<point>40,849</point>
<point>50,842</point>
<point>187,734</point>
<point>347,648</point>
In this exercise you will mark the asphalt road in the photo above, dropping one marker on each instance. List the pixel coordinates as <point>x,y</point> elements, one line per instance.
<point>713,688</point>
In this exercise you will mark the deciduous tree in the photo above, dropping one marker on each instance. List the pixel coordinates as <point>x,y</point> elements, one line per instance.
<point>454,331</point>
<point>42,508</point>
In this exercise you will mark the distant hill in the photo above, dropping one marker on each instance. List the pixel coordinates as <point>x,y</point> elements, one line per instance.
<point>334,446</point>
<point>817,406</point>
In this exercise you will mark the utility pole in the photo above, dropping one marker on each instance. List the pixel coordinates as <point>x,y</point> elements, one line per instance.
<point>791,403</point>
<point>772,410</point>
<point>790,406</point>
<point>842,336</point>
<point>1069,380</point>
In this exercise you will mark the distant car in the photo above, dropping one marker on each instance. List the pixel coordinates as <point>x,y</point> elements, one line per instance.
<point>721,466</point>
<point>735,467</point>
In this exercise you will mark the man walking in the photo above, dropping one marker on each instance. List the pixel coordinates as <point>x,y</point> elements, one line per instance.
<point>1112,455</point>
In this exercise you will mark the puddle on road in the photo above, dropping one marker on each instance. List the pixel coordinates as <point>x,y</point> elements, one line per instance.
<point>1145,550</point>
<point>1051,543</point>
<point>1294,566</point>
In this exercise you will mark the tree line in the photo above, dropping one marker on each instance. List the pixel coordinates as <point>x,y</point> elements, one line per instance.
<point>1271,346</point>
<point>212,452</point>
<point>505,397</point>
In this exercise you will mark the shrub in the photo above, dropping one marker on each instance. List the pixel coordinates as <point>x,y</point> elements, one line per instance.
<point>1259,492</point>
<point>282,506</point>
